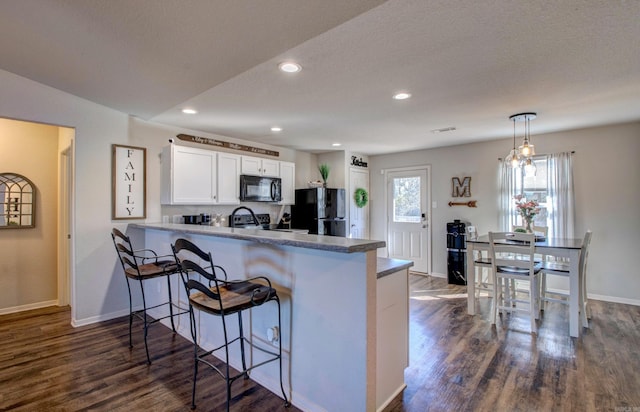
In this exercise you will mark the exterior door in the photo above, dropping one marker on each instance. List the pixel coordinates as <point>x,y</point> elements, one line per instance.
<point>408,218</point>
<point>358,216</point>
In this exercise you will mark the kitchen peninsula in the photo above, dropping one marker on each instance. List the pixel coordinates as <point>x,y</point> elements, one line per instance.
<point>344,311</point>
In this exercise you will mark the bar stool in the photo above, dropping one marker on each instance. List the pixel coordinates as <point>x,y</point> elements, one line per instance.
<point>221,297</point>
<point>141,265</point>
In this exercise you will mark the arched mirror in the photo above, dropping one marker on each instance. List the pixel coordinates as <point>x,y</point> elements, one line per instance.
<point>17,202</point>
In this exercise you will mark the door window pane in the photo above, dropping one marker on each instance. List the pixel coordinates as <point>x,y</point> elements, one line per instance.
<point>406,199</point>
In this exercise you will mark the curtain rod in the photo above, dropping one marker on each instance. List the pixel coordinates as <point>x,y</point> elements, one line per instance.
<point>572,152</point>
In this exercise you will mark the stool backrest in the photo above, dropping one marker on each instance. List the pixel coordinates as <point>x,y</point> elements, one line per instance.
<point>191,260</point>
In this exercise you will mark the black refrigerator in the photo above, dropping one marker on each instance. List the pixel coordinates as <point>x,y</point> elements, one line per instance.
<point>320,211</point>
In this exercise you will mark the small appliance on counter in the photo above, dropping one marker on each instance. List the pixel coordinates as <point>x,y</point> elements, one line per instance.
<point>203,219</point>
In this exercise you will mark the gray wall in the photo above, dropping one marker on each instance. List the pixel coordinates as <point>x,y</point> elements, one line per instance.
<point>606,190</point>
<point>607,178</point>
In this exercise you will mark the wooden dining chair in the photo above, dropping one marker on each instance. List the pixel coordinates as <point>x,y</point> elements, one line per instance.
<point>209,291</point>
<point>562,269</point>
<point>482,267</point>
<point>512,258</point>
<point>538,231</point>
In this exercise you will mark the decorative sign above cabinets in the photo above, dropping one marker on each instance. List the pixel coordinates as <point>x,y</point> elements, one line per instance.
<point>128,182</point>
<point>218,143</point>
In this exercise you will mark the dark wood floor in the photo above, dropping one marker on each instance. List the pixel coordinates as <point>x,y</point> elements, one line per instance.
<point>461,363</point>
<point>457,363</point>
<point>47,365</point>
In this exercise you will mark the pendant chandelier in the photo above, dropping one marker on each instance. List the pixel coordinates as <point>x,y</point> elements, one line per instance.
<point>522,157</point>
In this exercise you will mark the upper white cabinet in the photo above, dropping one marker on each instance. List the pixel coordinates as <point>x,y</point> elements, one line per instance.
<point>257,166</point>
<point>192,176</point>
<point>228,179</point>
<point>288,176</point>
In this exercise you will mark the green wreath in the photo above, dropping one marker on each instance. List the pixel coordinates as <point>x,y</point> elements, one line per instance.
<point>361,197</point>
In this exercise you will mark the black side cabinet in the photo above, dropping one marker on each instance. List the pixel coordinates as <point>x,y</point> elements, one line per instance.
<point>456,253</point>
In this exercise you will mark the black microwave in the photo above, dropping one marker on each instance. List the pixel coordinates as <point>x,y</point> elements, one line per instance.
<point>260,189</point>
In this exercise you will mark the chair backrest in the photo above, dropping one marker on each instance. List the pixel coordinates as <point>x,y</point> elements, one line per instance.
<point>584,254</point>
<point>125,251</point>
<point>186,254</point>
<point>512,252</point>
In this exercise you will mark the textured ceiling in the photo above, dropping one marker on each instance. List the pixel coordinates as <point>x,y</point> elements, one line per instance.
<point>468,65</point>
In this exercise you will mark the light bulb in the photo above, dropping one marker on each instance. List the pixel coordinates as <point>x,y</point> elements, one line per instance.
<point>529,168</point>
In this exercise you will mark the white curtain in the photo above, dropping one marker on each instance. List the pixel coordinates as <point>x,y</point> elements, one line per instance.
<point>560,195</point>
<point>507,179</point>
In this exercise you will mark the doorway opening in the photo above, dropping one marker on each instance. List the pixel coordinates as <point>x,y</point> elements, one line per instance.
<point>39,268</point>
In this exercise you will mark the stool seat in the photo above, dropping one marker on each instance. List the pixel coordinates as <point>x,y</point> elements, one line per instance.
<point>152,270</point>
<point>234,297</point>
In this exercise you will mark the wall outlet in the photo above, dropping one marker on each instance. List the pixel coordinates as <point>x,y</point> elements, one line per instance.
<point>273,334</point>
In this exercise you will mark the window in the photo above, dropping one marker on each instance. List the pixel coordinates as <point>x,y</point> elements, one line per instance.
<point>552,188</point>
<point>406,195</point>
<point>533,188</point>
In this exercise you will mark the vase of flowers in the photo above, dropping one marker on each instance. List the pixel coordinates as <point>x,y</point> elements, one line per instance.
<point>528,209</point>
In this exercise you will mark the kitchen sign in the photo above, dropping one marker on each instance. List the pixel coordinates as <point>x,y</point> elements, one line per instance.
<point>128,182</point>
<point>358,162</point>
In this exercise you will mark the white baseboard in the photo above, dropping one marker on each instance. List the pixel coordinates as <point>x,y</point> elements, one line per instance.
<point>100,318</point>
<point>434,274</point>
<point>30,306</point>
<point>614,299</point>
<point>604,298</point>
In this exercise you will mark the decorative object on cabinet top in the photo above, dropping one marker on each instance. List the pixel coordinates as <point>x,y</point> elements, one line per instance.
<point>220,143</point>
<point>324,170</point>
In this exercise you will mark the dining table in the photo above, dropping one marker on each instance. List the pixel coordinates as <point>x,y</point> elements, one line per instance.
<point>568,248</point>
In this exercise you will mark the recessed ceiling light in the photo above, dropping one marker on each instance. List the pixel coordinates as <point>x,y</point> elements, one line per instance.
<point>289,67</point>
<point>401,96</point>
<point>189,111</point>
<point>336,144</point>
<point>276,129</point>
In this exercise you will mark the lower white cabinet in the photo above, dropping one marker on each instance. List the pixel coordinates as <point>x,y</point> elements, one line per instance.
<point>192,176</point>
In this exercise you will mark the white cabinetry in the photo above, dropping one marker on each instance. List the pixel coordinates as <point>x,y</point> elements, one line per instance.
<point>192,176</point>
<point>257,166</point>
<point>288,176</point>
<point>228,179</point>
